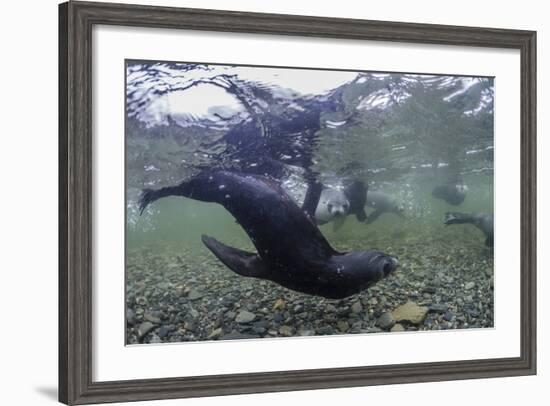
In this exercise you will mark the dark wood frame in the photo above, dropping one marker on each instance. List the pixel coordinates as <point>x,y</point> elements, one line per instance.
<point>76,20</point>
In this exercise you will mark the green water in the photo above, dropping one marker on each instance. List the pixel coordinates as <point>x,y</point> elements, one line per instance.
<point>178,219</point>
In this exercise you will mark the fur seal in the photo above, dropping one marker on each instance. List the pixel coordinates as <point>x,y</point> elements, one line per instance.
<point>453,193</point>
<point>291,251</point>
<point>482,221</point>
<point>382,203</point>
<point>335,204</point>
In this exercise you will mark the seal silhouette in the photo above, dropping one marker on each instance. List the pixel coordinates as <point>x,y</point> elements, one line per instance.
<point>382,203</point>
<point>484,222</point>
<point>335,204</point>
<point>291,251</point>
<point>453,192</point>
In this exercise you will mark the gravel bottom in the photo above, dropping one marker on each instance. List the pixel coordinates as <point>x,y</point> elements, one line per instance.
<point>177,293</point>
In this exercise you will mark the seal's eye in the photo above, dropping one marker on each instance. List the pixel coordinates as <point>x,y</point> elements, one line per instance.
<point>329,207</point>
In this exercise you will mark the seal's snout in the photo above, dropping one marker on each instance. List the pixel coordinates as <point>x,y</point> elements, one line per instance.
<point>336,211</point>
<point>390,265</point>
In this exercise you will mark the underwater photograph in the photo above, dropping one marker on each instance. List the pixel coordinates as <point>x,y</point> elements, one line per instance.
<point>267,202</point>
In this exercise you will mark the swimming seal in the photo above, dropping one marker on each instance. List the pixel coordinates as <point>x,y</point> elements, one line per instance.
<point>382,203</point>
<point>335,204</point>
<point>453,193</point>
<point>482,221</point>
<point>291,251</point>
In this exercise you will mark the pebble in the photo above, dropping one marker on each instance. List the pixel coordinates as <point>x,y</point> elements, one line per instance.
<point>306,332</point>
<point>278,317</point>
<point>279,304</point>
<point>286,331</point>
<point>151,318</point>
<point>163,331</point>
<point>357,307</point>
<point>258,330</point>
<point>385,321</point>
<point>244,317</point>
<point>330,308</point>
<point>217,333</point>
<point>437,308</point>
<point>410,312</point>
<point>261,324</point>
<point>298,308</point>
<point>194,294</point>
<point>469,285</point>
<point>144,328</point>
<point>238,336</point>
<point>155,339</point>
<point>397,327</point>
<point>228,300</point>
<point>325,330</point>
<point>342,326</point>
<point>130,317</point>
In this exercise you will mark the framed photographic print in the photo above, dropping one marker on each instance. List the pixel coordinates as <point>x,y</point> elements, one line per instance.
<point>257,202</point>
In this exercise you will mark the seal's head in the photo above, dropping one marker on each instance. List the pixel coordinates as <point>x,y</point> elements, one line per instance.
<point>365,267</point>
<point>337,208</point>
<point>461,189</point>
<point>398,209</point>
<point>332,204</point>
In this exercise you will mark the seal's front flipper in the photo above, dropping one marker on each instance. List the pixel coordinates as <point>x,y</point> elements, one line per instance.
<point>239,261</point>
<point>361,215</point>
<point>357,194</point>
<point>313,194</point>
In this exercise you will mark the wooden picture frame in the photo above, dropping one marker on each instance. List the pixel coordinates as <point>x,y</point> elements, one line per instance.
<point>76,20</point>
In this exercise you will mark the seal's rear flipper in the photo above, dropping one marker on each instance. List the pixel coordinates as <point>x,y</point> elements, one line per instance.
<point>374,215</point>
<point>457,218</point>
<point>239,261</point>
<point>148,196</point>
